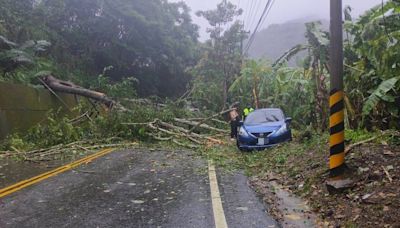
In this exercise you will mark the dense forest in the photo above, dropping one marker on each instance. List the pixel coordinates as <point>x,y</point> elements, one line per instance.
<point>153,42</point>
<point>135,48</point>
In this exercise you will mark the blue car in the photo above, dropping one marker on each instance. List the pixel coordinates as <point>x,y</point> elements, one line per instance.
<point>264,128</point>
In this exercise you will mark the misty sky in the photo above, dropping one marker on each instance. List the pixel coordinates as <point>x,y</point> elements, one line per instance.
<point>282,11</point>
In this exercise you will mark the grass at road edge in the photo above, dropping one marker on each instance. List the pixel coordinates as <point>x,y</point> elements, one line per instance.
<point>302,167</point>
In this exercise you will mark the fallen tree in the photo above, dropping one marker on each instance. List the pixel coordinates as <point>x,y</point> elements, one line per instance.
<point>164,131</point>
<point>195,123</point>
<point>57,85</point>
<point>183,132</point>
<point>210,117</point>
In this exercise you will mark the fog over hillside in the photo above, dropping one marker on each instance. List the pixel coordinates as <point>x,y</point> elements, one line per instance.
<point>282,11</point>
<point>272,42</point>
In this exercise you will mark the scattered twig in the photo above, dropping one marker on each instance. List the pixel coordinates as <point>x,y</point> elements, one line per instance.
<point>209,118</point>
<point>185,145</point>
<point>83,148</point>
<point>135,124</point>
<point>205,126</point>
<point>80,118</point>
<point>352,146</point>
<point>85,171</point>
<point>387,174</point>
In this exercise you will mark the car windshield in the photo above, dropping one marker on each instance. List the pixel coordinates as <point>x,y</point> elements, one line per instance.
<point>264,116</point>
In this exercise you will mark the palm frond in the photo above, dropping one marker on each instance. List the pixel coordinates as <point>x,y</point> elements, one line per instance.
<point>380,94</point>
<point>289,54</point>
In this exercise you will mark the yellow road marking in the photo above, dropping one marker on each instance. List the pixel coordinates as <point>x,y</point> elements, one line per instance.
<point>23,184</point>
<point>219,215</point>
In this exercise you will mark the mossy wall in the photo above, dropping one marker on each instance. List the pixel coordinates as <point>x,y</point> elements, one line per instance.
<point>21,106</point>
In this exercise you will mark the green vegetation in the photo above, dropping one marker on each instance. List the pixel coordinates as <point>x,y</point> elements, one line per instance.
<point>372,85</point>
<point>153,41</point>
<point>145,54</point>
<point>150,48</point>
<point>55,131</point>
<point>130,49</point>
<point>221,58</point>
<point>372,75</point>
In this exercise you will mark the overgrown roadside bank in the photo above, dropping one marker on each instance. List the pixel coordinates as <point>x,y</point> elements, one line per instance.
<point>301,167</point>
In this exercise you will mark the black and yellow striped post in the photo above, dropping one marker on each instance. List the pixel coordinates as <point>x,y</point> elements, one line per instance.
<point>338,169</point>
<point>336,141</point>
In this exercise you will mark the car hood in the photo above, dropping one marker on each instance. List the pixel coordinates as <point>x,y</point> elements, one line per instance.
<point>261,128</point>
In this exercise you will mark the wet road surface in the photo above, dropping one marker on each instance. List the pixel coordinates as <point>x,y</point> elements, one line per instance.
<point>134,188</point>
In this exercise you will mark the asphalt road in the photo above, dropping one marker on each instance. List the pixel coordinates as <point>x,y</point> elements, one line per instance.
<point>134,188</point>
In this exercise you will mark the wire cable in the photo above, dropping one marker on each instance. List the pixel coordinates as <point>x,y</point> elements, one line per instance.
<point>262,23</point>
<point>246,15</point>
<point>249,16</point>
<point>259,25</point>
<point>267,9</point>
<point>256,13</point>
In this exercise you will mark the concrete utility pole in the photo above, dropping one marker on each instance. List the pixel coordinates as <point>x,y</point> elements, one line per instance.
<point>337,166</point>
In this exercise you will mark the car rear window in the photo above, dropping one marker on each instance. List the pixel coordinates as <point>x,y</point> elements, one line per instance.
<point>264,116</point>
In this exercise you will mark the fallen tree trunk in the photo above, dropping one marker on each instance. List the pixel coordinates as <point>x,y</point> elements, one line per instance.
<point>213,120</point>
<point>205,126</point>
<point>186,133</point>
<point>211,117</point>
<point>176,131</point>
<point>69,87</point>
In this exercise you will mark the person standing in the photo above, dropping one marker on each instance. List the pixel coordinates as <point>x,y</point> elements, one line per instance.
<point>234,121</point>
<point>247,111</point>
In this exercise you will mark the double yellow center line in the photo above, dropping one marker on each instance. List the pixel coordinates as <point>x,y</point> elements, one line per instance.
<point>23,184</point>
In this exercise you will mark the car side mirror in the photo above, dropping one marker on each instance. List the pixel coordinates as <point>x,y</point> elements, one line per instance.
<point>240,123</point>
<point>288,120</point>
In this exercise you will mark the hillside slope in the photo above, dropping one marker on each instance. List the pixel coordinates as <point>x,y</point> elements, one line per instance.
<point>272,42</point>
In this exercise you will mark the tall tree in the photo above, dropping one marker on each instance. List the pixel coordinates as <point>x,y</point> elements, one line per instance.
<point>222,57</point>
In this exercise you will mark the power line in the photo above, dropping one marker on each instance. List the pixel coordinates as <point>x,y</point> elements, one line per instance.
<point>256,28</point>
<point>259,25</point>
<point>246,15</point>
<point>264,15</point>
<point>262,23</point>
<point>256,13</point>
<point>249,15</point>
